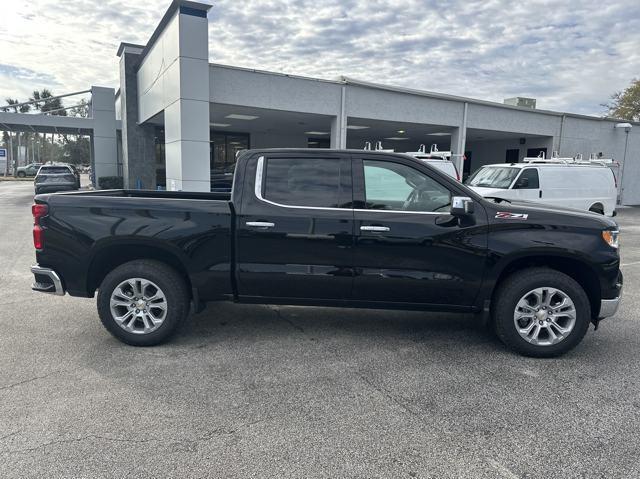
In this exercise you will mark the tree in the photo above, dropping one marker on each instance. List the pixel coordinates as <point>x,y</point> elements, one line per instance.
<point>625,105</point>
<point>45,103</point>
<point>16,109</point>
<point>77,151</point>
<point>81,109</point>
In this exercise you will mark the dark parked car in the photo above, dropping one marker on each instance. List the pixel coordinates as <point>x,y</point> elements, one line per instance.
<point>28,170</point>
<point>76,173</point>
<point>331,228</point>
<point>52,178</point>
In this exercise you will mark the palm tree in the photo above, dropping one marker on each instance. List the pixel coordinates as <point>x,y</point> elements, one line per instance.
<point>45,103</point>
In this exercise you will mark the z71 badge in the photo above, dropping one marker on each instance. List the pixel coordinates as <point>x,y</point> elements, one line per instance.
<point>505,215</point>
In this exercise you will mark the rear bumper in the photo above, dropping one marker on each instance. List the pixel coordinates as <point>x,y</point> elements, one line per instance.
<point>47,281</point>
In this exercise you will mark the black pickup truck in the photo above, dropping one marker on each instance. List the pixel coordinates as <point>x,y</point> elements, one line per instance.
<point>331,228</point>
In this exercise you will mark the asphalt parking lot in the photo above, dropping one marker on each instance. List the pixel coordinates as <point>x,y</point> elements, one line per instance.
<point>262,391</point>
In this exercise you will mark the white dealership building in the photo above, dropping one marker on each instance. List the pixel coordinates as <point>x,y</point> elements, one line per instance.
<point>178,120</point>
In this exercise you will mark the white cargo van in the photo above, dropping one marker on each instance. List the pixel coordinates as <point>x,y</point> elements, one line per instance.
<point>438,159</point>
<point>581,185</point>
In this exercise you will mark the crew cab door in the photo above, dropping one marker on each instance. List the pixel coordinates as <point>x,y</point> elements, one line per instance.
<point>295,227</point>
<point>409,249</point>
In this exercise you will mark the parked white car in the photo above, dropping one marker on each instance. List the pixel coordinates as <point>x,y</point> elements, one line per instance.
<point>585,186</point>
<point>438,159</point>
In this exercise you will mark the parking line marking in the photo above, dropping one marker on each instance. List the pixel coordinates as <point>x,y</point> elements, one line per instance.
<point>630,264</point>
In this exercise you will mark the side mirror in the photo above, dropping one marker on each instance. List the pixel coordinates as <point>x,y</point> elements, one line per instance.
<point>461,206</point>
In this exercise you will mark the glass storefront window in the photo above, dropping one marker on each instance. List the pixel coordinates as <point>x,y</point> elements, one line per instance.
<point>224,147</point>
<point>161,168</point>
<point>318,143</point>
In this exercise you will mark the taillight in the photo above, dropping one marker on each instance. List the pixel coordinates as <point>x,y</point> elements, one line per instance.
<point>38,211</point>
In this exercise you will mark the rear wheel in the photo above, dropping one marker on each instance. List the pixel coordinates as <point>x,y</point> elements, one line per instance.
<point>597,208</point>
<point>142,302</point>
<point>541,312</point>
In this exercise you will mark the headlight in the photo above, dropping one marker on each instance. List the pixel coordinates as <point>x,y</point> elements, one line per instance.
<point>611,237</point>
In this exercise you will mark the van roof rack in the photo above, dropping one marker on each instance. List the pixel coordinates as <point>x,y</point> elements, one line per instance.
<point>433,153</point>
<point>576,160</point>
<point>378,147</point>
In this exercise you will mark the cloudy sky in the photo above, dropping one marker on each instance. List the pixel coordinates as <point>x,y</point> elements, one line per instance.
<point>570,55</point>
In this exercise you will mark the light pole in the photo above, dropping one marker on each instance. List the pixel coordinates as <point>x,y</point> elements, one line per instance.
<point>627,128</point>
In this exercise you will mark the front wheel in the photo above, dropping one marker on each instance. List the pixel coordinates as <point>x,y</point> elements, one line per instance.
<point>142,302</point>
<point>541,312</point>
<point>21,174</point>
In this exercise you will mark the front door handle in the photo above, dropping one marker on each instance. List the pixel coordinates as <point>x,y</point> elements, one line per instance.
<point>260,224</point>
<point>374,228</point>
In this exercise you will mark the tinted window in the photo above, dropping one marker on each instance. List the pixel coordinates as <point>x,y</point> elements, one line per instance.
<point>54,170</point>
<point>303,182</point>
<point>392,186</point>
<point>528,180</point>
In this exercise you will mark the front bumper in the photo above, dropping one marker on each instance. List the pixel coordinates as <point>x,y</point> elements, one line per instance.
<point>47,281</point>
<point>609,307</point>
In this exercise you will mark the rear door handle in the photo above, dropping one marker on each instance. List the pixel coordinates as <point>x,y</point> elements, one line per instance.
<point>374,228</point>
<point>260,224</point>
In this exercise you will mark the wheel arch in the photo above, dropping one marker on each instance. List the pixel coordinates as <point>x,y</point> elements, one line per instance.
<point>573,267</point>
<point>110,256</point>
<point>597,207</point>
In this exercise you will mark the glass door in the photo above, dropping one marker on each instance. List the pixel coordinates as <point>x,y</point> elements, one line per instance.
<point>224,148</point>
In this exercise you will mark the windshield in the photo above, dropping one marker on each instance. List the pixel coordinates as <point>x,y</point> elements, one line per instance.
<point>493,177</point>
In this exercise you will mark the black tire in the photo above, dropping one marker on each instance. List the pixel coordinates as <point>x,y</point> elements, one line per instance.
<point>172,285</point>
<point>518,284</point>
<point>21,174</point>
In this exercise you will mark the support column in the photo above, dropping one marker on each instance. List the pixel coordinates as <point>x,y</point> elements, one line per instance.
<point>138,141</point>
<point>339,124</point>
<point>186,118</point>
<point>459,142</point>
<point>103,140</point>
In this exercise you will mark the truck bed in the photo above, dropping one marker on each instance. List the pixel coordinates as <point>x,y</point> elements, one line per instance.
<point>191,231</point>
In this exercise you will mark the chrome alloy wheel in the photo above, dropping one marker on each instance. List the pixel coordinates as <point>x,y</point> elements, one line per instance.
<point>138,306</point>
<point>544,316</point>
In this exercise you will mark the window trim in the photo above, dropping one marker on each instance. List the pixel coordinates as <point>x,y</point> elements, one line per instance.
<point>260,172</point>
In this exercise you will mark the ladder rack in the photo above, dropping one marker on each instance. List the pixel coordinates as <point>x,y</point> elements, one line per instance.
<point>576,160</point>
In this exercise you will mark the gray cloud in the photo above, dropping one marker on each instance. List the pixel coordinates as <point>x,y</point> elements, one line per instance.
<point>569,55</point>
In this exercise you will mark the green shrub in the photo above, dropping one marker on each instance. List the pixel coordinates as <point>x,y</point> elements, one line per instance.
<point>110,183</point>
